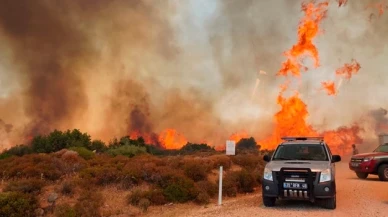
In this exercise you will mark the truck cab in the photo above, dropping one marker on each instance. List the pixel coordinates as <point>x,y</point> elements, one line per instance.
<point>375,163</point>
<point>301,168</point>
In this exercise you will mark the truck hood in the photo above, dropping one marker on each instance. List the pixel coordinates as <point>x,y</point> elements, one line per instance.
<point>370,154</point>
<point>315,166</point>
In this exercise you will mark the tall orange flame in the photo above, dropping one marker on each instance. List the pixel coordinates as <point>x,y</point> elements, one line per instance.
<point>307,31</point>
<point>171,139</point>
<point>291,119</point>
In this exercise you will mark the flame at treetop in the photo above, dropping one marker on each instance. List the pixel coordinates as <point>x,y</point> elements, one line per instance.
<point>238,136</point>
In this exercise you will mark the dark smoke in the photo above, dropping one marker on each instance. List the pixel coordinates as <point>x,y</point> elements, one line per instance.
<point>381,120</point>
<point>48,49</point>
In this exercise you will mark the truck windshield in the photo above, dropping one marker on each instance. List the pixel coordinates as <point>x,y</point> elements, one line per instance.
<point>312,152</point>
<point>382,148</point>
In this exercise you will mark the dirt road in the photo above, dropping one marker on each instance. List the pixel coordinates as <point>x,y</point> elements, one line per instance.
<point>355,197</point>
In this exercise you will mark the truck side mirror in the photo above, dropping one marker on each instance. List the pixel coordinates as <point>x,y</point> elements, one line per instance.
<point>336,158</point>
<point>266,158</point>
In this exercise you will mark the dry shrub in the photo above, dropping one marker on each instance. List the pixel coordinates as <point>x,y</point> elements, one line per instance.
<point>196,170</point>
<point>144,203</point>
<point>101,175</point>
<point>239,182</point>
<point>33,166</point>
<point>248,161</point>
<point>64,210</point>
<point>209,187</point>
<point>26,186</point>
<point>202,198</point>
<point>89,203</point>
<point>68,188</point>
<point>155,196</point>
<point>220,160</point>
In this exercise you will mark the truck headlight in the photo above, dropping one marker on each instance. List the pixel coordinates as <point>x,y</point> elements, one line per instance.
<point>268,174</point>
<point>367,159</point>
<point>325,176</point>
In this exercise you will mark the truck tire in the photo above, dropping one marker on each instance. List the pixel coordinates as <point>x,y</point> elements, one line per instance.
<point>330,203</point>
<point>383,172</point>
<point>362,175</point>
<point>269,201</point>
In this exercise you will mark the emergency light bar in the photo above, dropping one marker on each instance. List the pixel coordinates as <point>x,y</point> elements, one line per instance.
<point>303,138</point>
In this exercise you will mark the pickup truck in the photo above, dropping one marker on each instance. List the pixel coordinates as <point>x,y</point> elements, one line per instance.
<point>375,163</point>
<point>301,168</point>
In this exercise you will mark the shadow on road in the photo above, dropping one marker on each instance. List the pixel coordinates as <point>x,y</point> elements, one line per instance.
<point>288,205</point>
<point>374,179</point>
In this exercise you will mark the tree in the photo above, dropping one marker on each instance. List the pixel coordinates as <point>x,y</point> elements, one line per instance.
<point>247,144</point>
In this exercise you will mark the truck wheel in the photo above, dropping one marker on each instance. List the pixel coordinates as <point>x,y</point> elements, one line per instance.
<point>269,201</point>
<point>330,203</point>
<point>362,175</point>
<point>383,172</point>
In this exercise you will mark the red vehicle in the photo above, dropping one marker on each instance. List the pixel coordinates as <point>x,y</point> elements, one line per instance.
<point>375,163</point>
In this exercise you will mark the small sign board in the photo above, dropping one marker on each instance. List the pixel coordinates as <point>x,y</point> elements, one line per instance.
<point>230,147</point>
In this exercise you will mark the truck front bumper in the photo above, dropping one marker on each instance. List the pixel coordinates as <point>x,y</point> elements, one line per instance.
<point>319,190</point>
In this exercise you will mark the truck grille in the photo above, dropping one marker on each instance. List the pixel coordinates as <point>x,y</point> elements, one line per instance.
<point>296,183</point>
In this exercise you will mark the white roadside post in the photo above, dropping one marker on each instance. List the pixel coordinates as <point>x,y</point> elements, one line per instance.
<point>230,150</point>
<point>220,188</point>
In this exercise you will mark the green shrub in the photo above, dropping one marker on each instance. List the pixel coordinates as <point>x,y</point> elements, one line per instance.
<point>127,150</point>
<point>191,148</point>
<point>17,204</point>
<point>180,189</point>
<point>64,210</point>
<point>26,186</point>
<point>83,152</point>
<point>4,155</point>
<point>19,150</point>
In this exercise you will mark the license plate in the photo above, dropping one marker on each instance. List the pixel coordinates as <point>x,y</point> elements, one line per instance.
<point>354,164</point>
<point>295,185</point>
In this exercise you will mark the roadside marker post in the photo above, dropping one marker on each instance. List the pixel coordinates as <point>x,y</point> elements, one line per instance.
<point>220,188</point>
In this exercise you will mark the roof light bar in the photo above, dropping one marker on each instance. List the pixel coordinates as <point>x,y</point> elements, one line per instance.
<point>302,138</point>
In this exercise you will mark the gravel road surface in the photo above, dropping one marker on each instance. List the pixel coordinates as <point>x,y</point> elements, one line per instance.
<point>355,197</point>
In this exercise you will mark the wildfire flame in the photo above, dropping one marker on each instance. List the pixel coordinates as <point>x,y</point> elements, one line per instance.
<point>307,31</point>
<point>329,86</point>
<point>171,139</point>
<point>238,136</point>
<point>291,119</point>
<point>348,69</point>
